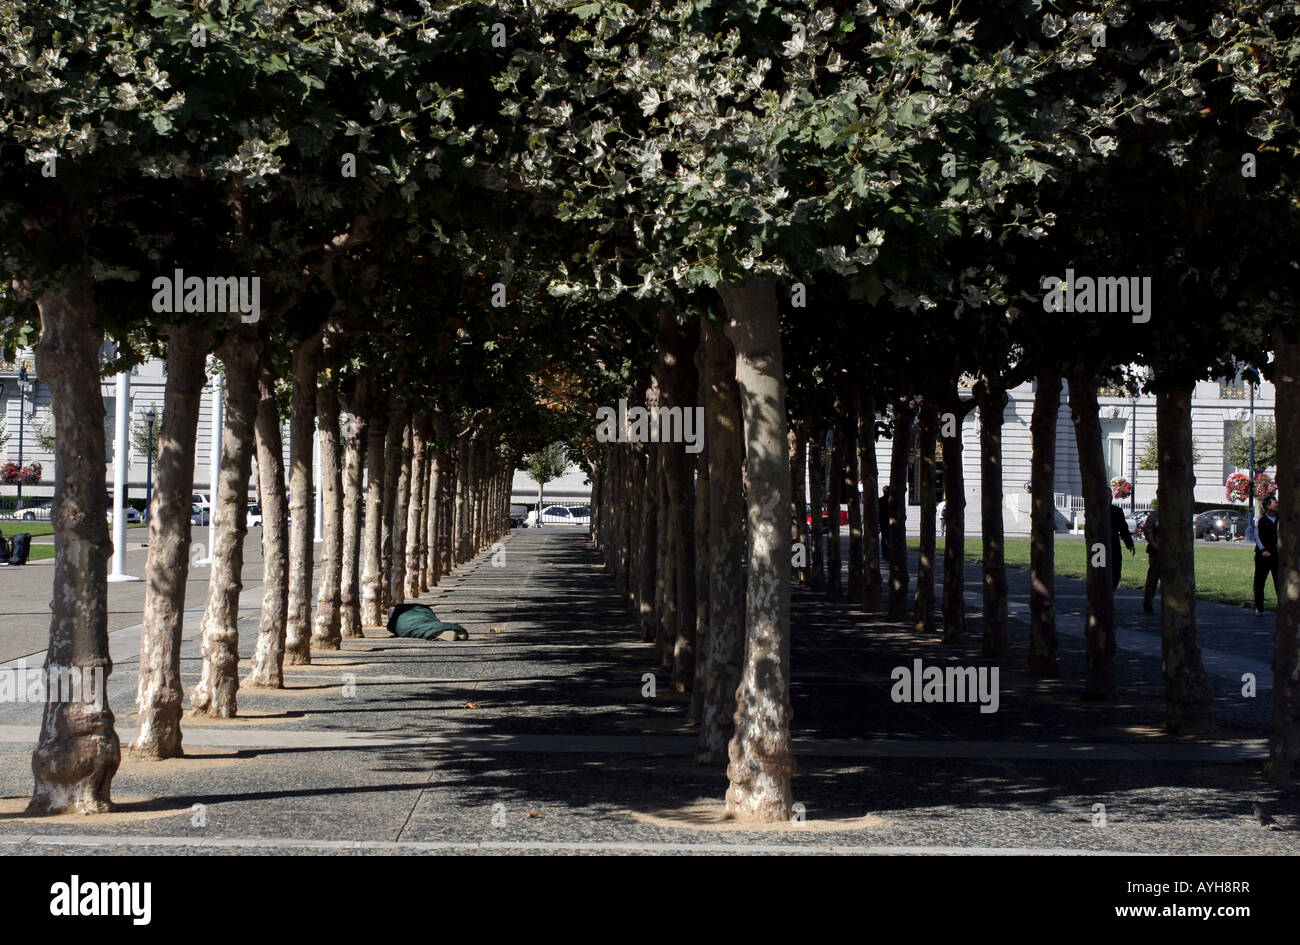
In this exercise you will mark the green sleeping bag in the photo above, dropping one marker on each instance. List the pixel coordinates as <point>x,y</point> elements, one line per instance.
<point>419,620</point>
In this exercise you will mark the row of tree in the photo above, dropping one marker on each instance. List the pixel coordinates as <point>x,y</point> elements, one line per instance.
<point>794,215</point>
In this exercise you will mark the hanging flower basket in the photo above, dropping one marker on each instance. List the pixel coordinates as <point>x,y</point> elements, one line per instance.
<point>1237,487</point>
<point>1120,488</point>
<point>1265,487</point>
<point>11,474</point>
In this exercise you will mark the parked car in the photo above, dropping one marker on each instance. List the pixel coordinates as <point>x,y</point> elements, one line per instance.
<point>1137,522</point>
<point>254,516</point>
<point>131,514</point>
<point>560,515</point>
<point>518,516</point>
<point>1220,524</point>
<point>36,511</point>
<point>199,515</point>
<point>826,516</point>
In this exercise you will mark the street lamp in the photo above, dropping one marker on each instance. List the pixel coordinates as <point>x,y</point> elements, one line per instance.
<point>1133,459</point>
<point>23,386</point>
<point>1250,527</point>
<point>149,417</point>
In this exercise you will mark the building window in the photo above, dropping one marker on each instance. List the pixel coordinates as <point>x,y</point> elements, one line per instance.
<point>1233,388</point>
<point>1112,447</point>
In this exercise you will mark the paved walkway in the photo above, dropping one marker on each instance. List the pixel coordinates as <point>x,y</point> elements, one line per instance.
<point>533,736</point>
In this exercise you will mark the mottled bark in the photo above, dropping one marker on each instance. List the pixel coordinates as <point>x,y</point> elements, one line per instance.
<point>1188,696</point>
<point>302,504</point>
<point>725,453</point>
<point>401,516</point>
<point>160,697</point>
<point>799,499</point>
<point>904,412</point>
<point>358,434</point>
<point>997,631</point>
<point>327,629</point>
<point>392,473</point>
<point>1099,628</point>
<point>372,603</point>
<point>1042,528</point>
<point>1284,743</point>
<point>268,657</point>
<point>873,599</point>
<point>762,762</point>
<point>923,602</point>
<point>415,516</point>
<point>215,694</point>
<point>77,752</point>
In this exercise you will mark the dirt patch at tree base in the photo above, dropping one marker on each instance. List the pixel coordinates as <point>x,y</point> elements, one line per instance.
<point>194,759</point>
<point>127,809</point>
<point>712,815</point>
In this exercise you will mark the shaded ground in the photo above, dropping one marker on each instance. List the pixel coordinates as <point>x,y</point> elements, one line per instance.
<point>562,748</point>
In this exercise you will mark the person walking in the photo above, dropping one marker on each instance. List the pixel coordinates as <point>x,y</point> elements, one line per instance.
<point>883,507</point>
<point>1151,526</point>
<point>1118,533</point>
<point>1265,552</point>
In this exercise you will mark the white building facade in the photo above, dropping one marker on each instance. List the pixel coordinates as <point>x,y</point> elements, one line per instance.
<point>1219,409</point>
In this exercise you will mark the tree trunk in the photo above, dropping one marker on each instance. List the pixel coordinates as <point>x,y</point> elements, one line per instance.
<point>649,543</point>
<point>834,499</point>
<point>997,633</point>
<point>353,498</point>
<point>1188,696</point>
<point>392,473</point>
<point>160,696</point>
<point>665,568</point>
<point>817,497</point>
<point>1099,629</point>
<point>402,509</point>
<point>327,627</point>
<point>78,751</point>
<point>302,504</point>
<point>799,491</point>
<point>954,531</point>
<point>215,694</point>
<point>872,599</point>
<point>725,445</point>
<point>1042,527</point>
<point>923,613</point>
<point>415,520</point>
<point>847,433</point>
<point>1284,744</point>
<point>372,603</point>
<point>762,762</point>
<point>901,448</point>
<point>268,658</point>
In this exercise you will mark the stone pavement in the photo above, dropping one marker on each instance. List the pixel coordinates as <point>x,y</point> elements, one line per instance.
<point>534,736</point>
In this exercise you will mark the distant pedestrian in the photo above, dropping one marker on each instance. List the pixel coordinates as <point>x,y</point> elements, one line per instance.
<point>1118,533</point>
<point>1265,552</point>
<point>1151,526</point>
<point>943,518</point>
<point>883,507</point>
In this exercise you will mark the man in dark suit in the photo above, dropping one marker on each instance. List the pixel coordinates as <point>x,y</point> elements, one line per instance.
<point>1265,552</point>
<point>1151,526</point>
<point>1118,532</point>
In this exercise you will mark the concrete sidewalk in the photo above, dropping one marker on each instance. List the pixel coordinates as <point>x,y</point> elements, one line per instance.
<point>534,736</point>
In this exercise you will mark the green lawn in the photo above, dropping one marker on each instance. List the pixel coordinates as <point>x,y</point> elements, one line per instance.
<point>1223,574</point>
